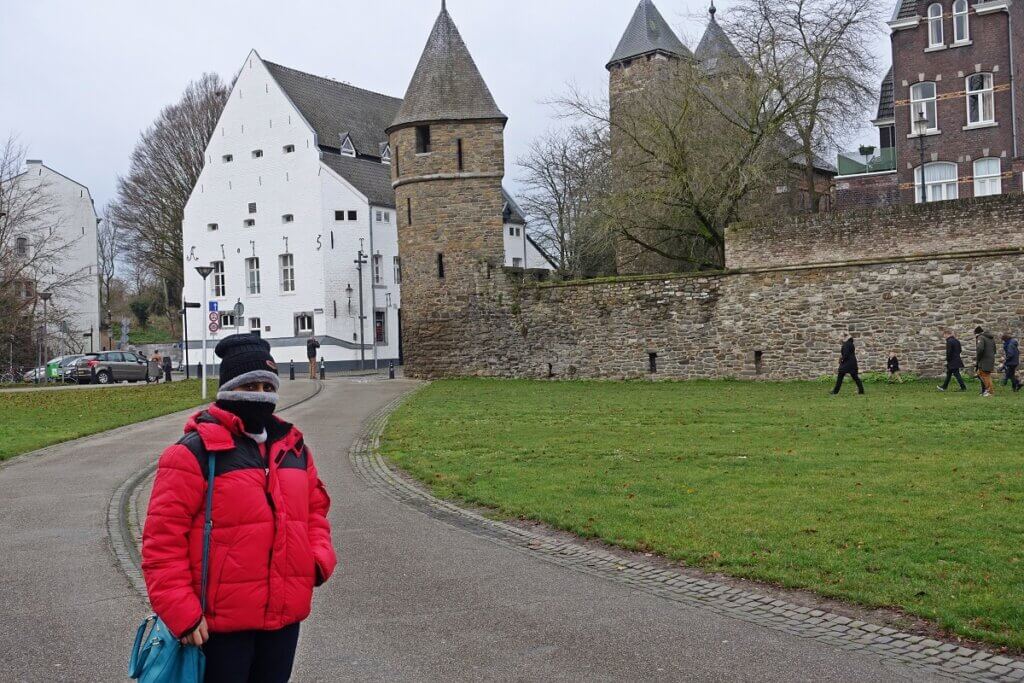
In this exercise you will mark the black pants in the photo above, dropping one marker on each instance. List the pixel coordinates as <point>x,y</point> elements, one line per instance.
<point>167,374</point>
<point>251,656</point>
<point>950,374</point>
<point>1011,377</point>
<point>856,378</point>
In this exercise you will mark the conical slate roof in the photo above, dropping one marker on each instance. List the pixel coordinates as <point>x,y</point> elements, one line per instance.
<point>716,46</point>
<point>447,86</point>
<point>648,32</point>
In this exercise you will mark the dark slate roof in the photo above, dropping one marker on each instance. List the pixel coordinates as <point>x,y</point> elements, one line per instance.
<point>905,9</point>
<point>447,86</point>
<point>716,51</point>
<point>513,214</point>
<point>372,178</point>
<point>334,109</point>
<point>886,99</point>
<point>648,32</point>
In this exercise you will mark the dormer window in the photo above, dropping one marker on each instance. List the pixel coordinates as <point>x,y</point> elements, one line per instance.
<point>257,153</point>
<point>385,157</point>
<point>289,149</point>
<point>936,37</point>
<point>347,148</point>
<point>227,158</point>
<point>423,139</point>
<point>212,227</point>
<point>288,218</point>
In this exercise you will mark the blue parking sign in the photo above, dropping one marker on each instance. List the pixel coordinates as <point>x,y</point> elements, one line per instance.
<point>213,307</point>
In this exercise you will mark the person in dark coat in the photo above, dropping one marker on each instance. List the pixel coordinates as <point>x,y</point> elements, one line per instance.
<point>985,360</point>
<point>893,366</point>
<point>848,365</point>
<point>311,346</point>
<point>1011,361</point>
<point>168,366</point>
<point>954,361</point>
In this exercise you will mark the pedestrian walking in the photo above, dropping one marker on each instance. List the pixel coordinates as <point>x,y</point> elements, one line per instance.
<point>954,361</point>
<point>893,367</point>
<point>168,366</point>
<point>311,347</point>
<point>271,541</point>
<point>155,366</point>
<point>985,360</point>
<point>1011,361</point>
<point>848,365</point>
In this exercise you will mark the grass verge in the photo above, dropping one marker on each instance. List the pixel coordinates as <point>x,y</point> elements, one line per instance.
<point>902,498</point>
<point>34,419</point>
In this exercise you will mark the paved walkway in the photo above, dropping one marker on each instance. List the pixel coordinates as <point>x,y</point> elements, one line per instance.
<point>416,596</point>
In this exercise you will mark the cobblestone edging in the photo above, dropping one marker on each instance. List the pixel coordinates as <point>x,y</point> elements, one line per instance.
<point>121,513</point>
<point>932,657</point>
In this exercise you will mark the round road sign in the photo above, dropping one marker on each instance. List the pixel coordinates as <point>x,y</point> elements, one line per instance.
<point>214,317</point>
<point>214,327</point>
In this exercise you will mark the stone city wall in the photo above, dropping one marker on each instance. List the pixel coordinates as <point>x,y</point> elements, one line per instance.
<point>969,225</point>
<point>778,322</point>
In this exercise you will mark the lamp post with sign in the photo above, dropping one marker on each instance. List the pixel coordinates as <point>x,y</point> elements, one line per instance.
<point>204,272</point>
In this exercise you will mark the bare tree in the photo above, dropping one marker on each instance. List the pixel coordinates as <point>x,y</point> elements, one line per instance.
<point>820,50</point>
<point>110,245</point>
<point>32,245</point>
<point>165,165</point>
<point>692,153</point>
<point>565,177</point>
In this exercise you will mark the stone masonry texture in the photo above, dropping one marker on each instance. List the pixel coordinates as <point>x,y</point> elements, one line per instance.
<point>894,279</point>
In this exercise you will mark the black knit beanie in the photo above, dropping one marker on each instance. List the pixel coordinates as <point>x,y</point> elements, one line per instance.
<point>245,358</point>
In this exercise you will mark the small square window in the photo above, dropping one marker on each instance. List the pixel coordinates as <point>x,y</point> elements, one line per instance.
<point>423,139</point>
<point>352,215</point>
<point>252,207</point>
<point>250,223</point>
<point>257,153</point>
<point>212,227</point>
<point>339,215</point>
<point>227,158</point>
<point>288,218</point>
<point>288,149</point>
<point>380,216</point>
<point>387,216</point>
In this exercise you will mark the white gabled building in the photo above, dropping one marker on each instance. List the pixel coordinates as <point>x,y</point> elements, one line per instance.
<point>298,180</point>
<point>66,228</point>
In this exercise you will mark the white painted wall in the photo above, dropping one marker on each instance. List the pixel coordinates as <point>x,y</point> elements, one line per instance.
<point>518,247</point>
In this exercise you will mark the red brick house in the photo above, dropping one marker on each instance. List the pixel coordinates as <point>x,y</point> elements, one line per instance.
<point>951,105</point>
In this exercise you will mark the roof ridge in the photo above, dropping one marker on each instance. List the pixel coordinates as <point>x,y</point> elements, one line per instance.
<point>331,80</point>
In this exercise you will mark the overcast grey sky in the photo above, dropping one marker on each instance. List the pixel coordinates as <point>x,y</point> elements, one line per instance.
<point>80,79</point>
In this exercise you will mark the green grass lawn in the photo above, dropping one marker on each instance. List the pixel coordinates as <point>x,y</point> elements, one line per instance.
<point>905,497</point>
<point>34,419</point>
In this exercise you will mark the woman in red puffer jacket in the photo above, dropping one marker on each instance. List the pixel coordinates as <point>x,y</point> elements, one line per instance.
<point>271,541</point>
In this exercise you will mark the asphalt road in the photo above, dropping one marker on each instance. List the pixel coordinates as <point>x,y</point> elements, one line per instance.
<point>413,598</point>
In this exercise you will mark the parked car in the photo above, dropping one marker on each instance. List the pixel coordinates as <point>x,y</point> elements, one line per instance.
<point>35,373</point>
<point>108,367</point>
<point>57,369</point>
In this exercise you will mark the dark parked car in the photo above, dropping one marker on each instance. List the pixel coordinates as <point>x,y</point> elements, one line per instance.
<point>112,366</point>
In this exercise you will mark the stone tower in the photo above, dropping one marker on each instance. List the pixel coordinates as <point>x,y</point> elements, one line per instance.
<point>648,53</point>
<point>448,161</point>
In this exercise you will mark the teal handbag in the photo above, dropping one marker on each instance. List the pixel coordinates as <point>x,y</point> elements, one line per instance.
<point>159,657</point>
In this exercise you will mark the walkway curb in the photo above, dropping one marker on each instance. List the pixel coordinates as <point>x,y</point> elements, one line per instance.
<point>120,513</point>
<point>934,657</point>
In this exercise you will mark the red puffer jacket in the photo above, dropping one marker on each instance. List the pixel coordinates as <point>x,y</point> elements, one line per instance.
<point>271,540</point>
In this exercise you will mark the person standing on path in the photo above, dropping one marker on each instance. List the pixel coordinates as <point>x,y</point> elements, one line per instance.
<point>271,542</point>
<point>848,365</point>
<point>954,361</point>
<point>985,360</point>
<point>155,366</point>
<point>168,366</point>
<point>1011,361</point>
<point>311,346</point>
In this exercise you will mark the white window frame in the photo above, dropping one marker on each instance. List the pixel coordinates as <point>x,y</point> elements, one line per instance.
<point>347,148</point>
<point>227,319</point>
<point>302,317</point>
<point>218,285</point>
<point>984,96</point>
<point>385,158</point>
<point>961,22</point>
<point>936,31</point>
<point>382,314</point>
<point>937,190</point>
<point>397,263</point>
<point>378,267</point>
<point>252,276</point>
<point>988,184</point>
<point>917,104</point>
<point>286,263</point>
<point>387,216</point>
<point>255,325</point>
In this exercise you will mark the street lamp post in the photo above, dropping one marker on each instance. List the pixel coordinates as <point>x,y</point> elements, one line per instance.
<point>45,296</point>
<point>204,272</point>
<point>921,128</point>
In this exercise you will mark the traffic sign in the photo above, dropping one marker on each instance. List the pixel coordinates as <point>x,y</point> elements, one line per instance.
<point>214,327</point>
<point>239,309</point>
<point>213,306</point>
<point>214,317</point>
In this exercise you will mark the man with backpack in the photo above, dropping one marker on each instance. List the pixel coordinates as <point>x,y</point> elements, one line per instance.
<point>1011,361</point>
<point>311,347</point>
